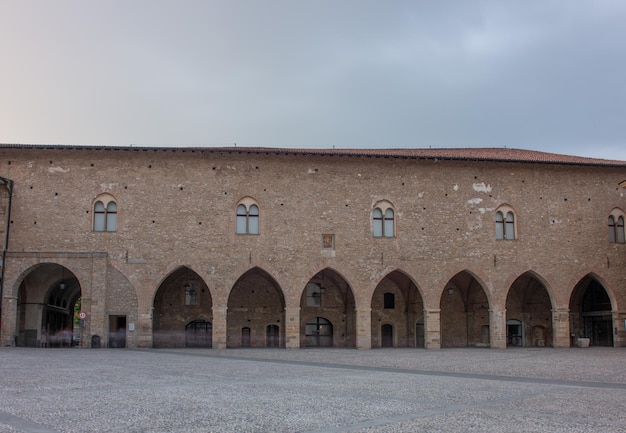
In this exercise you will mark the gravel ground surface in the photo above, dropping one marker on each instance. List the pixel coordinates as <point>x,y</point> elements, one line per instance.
<point>312,390</point>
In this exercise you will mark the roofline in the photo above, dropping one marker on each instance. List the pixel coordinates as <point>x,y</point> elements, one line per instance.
<point>508,155</point>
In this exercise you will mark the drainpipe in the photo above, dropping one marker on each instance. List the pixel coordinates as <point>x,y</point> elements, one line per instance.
<point>9,185</point>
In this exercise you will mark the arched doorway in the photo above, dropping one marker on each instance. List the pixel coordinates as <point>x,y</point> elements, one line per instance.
<point>529,313</point>
<point>591,313</point>
<point>199,333</point>
<point>180,301</point>
<point>255,300</point>
<point>464,313</point>
<point>48,303</point>
<point>327,296</point>
<point>319,333</point>
<point>396,301</point>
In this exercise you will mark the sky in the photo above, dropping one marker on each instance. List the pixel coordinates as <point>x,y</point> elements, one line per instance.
<point>546,75</point>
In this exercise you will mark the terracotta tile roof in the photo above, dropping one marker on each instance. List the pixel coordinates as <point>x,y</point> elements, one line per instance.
<point>454,154</point>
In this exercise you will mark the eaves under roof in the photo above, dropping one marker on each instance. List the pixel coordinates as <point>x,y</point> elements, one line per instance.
<point>491,154</point>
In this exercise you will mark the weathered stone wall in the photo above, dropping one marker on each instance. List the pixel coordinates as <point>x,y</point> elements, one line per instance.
<point>177,208</point>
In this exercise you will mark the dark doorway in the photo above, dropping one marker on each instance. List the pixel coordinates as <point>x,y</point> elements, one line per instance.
<point>514,336</point>
<point>245,337</point>
<point>386,332</point>
<point>117,331</point>
<point>319,333</point>
<point>272,338</point>
<point>420,340</point>
<point>199,333</point>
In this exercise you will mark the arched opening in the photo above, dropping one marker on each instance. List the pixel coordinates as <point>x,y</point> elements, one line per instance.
<point>48,304</point>
<point>255,300</point>
<point>464,312</point>
<point>199,333</point>
<point>319,333</point>
<point>182,299</point>
<point>529,310</point>
<point>397,301</point>
<point>327,295</point>
<point>591,313</point>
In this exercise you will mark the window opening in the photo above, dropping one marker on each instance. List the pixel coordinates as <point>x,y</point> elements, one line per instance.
<point>616,230</point>
<point>313,295</point>
<point>389,301</point>
<point>383,224</point>
<point>247,219</point>
<point>105,219</point>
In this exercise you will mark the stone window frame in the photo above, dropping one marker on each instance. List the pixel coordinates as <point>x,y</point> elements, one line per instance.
<point>616,219</point>
<point>505,219</point>
<point>105,214</point>
<point>247,217</point>
<point>383,220</point>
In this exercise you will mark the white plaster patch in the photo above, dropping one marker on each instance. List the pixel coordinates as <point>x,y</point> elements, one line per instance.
<point>106,186</point>
<point>420,195</point>
<point>58,170</point>
<point>484,210</point>
<point>455,187</point>
<point>475,200</point>
<point>481,187</point>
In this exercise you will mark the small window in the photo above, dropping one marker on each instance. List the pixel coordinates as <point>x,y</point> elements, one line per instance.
<point>383,221</point>
<point>505,225</point>
<point>389,301</point>
<point>313,295</point>
<point>247,219</point>
<point>191,294</point>
<point>105,215</point>
<point>616,229</point>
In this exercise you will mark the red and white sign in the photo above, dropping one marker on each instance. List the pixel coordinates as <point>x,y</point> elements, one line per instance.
<point>82,315</point>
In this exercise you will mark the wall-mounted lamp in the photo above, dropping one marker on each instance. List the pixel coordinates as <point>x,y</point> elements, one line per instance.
<point>62,283</point>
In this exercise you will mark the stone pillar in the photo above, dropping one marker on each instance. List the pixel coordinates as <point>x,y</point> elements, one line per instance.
<point>93,299</point>
<point>145,329</point>
<point>292,327</point>
<point>9,319</point>
<point>561,333</point>
<point>219,327</point>
<point>432,329</point>
<point>364,328</point>
<point>497,328</point>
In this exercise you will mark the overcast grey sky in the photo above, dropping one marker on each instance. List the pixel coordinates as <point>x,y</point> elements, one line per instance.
<point>544,75</point>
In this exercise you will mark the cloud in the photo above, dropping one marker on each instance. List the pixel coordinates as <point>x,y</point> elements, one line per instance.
<point>542,75</point>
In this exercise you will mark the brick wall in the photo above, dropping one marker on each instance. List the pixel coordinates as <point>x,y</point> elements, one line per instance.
<point>177,209</point>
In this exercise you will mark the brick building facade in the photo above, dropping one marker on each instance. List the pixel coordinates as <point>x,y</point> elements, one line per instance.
<point>232,247</point>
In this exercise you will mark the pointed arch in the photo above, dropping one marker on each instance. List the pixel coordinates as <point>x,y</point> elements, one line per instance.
<point>529,308</point>
<point>464,312</point>
<point>327,294</point>
<point>255,302</point>
<point>591,311</point>
<point>396,301</point>
<point>171,311</point>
